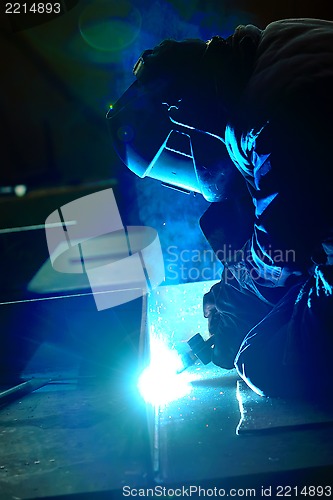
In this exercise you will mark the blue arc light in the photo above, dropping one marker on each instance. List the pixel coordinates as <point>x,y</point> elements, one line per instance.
<point>159,383</point>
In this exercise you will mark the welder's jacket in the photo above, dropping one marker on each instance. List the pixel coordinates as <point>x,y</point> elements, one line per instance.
<point>278,293</point>
<point>280,138</point>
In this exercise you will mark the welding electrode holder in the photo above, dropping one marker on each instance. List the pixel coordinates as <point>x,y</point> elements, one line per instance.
<point>200,349</point>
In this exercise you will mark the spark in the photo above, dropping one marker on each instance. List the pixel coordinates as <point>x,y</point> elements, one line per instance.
<point>159,383</point>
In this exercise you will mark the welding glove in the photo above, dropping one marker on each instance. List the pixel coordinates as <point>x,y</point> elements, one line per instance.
<point>231,312</point>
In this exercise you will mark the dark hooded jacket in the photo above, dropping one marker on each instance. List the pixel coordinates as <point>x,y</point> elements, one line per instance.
<point>271,312</point>
<point>280,132</point>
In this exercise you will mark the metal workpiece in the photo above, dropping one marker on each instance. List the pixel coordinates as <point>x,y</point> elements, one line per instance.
<point>206,425</point>
<point>22,389</point>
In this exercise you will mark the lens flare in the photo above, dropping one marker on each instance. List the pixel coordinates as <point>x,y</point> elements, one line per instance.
<point>160,383</point>
<point>110,26</point>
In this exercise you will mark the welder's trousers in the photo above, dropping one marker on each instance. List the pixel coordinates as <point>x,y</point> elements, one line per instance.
<point>279,350</point>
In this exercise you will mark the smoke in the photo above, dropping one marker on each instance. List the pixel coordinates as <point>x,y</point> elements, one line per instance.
<point>187,255</point>
<point>178,19</point>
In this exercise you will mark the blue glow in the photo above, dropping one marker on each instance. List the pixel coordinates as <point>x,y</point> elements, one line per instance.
<point>322,284</point>
<point>193,128</point>
<point>322,288</point>
<point>160,383</point>
<point>175,315</point>
<point>241,408</point>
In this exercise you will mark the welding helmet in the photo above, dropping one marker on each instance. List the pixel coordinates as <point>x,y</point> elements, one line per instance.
<point>169,124</point>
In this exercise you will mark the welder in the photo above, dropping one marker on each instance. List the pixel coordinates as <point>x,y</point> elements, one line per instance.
<point>247,121</point>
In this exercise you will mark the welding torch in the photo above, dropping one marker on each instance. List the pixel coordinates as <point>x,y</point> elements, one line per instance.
<point>199,349</point>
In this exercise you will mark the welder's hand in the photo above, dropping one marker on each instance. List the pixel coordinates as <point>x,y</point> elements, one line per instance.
<point>210,309</point>
<point>231,313</point>
<point>221,354</point>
